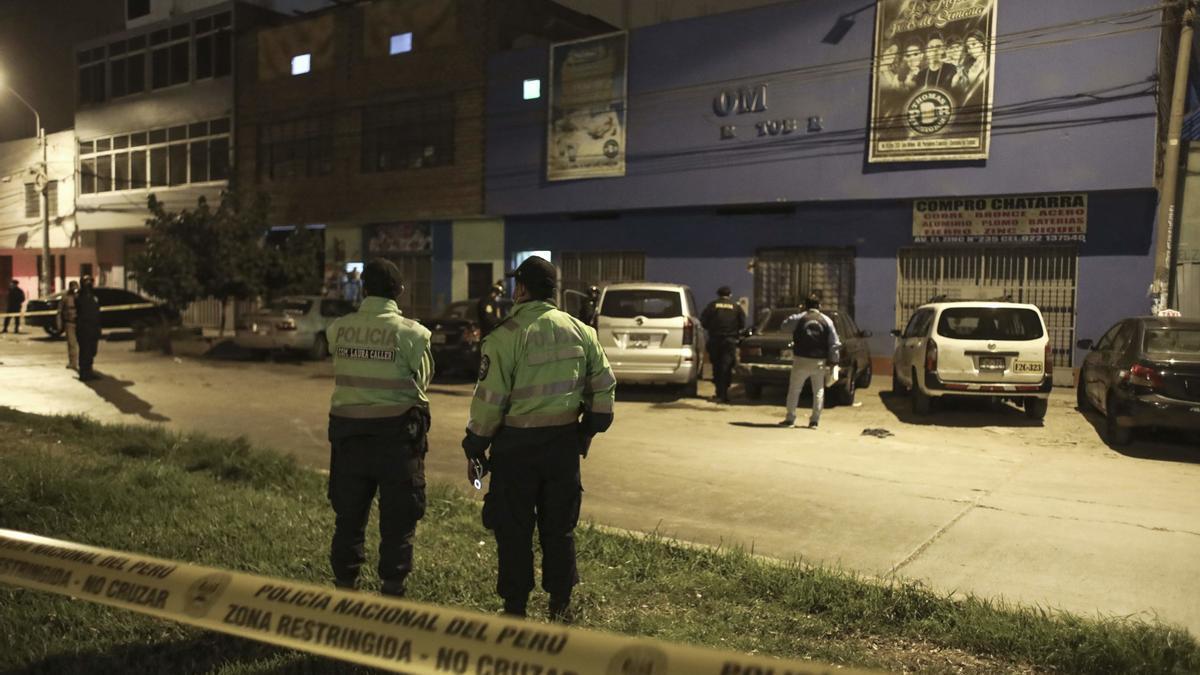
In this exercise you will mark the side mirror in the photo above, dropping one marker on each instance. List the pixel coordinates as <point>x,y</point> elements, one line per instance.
<point>865,333</point>
<point>1085,344</point>
<point>895,332</point>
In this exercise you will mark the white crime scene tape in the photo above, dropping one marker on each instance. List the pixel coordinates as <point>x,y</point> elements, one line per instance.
<point>54,312</point>
<point>387,633</point>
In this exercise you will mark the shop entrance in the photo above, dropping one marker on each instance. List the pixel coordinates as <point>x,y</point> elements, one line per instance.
<point>1043,275</point>
<point>784,277</point>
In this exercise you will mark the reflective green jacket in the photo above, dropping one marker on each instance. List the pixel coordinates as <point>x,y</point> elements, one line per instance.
<point>538,368</point>
<point>381,362</point>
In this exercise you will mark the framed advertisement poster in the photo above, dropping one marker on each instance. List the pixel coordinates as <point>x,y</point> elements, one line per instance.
<point>931,93</point>
<point>587,98</point>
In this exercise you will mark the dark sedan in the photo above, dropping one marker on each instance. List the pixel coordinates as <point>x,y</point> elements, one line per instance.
<point>765,357</point>
<point>147,313</point>
<point>456,336</point>
<point>1144,372</point>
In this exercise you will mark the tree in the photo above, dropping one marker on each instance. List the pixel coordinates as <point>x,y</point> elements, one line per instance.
<point>296,264</point>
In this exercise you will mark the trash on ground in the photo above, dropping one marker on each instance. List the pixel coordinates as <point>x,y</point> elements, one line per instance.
<point>877,433</point>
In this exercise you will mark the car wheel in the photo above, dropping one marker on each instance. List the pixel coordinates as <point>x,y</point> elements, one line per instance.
<point>921,403</point>
<point>1035,408</point>
<point>320,348</point>
<point>1114,433</point>
<point>1081,397</point>
<point>52,331</point>
<point>754,390</point>
<point>864,378</point>
<point>844,393</point>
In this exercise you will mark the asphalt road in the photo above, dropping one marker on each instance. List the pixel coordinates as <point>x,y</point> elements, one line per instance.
<point>973,500</point>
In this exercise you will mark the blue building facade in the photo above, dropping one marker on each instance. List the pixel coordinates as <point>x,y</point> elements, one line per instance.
<point>775,215</point>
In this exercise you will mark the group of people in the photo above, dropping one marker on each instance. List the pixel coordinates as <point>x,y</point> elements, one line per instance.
<point>947,62</point>
<point>816,350</point>
<point>544,390</point>
<point>78,320</point>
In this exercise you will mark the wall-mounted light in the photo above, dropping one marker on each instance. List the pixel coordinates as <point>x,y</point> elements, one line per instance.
<point>301,64</point>
<point>400,44</point>
<point>532,89</point>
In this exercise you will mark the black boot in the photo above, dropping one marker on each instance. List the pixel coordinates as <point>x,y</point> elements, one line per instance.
<point>560,609</point>
<point>393,588</point>
<point>515,607</point>
<point>346,584</point>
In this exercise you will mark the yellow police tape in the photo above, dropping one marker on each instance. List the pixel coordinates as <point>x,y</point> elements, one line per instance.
<point>386,633</point>
<point>54,312</point>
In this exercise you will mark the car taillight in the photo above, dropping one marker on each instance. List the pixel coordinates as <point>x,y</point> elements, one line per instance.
<point>1142,375</point>
<point>1048,369</point>
<point>931,357</point>
<point>750,352</point>
<point>286,324</point>
<point>689,331</point>
<point>471,335</point>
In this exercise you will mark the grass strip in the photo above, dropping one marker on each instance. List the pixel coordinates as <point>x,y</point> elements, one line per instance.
<point>225,504</point>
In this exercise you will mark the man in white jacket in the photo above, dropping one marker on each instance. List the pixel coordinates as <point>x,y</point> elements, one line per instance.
<point>815,347</point>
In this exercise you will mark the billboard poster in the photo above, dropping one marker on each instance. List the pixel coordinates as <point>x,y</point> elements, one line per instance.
<point>931,94</point>
<point>587,98</point>
<point>390,238</point>
<point>1009,219</point>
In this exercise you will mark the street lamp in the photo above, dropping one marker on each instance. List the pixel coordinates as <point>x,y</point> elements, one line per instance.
<point>44,288</point>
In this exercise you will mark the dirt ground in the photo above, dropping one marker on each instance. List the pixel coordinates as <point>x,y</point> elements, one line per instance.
<point>974,499</point>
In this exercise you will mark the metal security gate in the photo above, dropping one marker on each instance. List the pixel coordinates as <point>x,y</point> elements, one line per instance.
<point>582,270</point>
<point>784,277</point>
<point>1044,276</point>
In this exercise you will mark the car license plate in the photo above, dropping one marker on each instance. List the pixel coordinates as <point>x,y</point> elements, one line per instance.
<point>1027,367</point>
<point>438,338</point>
<point>639,340</point>
<point>991,363</point>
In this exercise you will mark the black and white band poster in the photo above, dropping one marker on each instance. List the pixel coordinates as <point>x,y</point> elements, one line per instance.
<point>586,124</point>
<point>932,90</point>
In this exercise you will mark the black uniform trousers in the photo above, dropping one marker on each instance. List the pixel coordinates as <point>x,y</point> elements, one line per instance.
<point>535,482</point>
<point>89,343</point>
<point>723,351</point>
<point>360,466</point>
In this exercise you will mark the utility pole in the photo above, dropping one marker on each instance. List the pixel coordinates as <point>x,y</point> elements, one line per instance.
<point>1163,253</point>
<point>47,274</point>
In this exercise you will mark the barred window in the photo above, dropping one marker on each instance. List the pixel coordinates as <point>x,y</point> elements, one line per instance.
<point>414,134</point>
<point>193,153</point>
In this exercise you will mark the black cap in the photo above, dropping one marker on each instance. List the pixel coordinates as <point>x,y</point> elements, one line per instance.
<point>536,273</point>
<point>724,291</point>
<point>382,278</point>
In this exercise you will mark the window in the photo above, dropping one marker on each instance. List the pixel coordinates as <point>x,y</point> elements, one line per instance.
<point>191,153</point>
<point>990,323</point>
<point>169,57</point>
<point>918,325</point>
<point>127,66</point>
<point>408,135</point>
<point>297,148</point>
<point>1182,341</point>
<point>647,303</point>
<point>52,197</point>
<point>91,76</point>
<point>33,201</point>
<point>136,9</point>
<point>213,46</point>
<point>532,89</point>
<point>301,64</point>
<point>400,44</point>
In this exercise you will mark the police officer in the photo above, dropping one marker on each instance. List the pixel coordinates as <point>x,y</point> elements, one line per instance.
<point>87,327</point>
<point>488,310</point>
<point>723,320</point>
<point>541,369</point>
<point>591,307</point>
<point>378,421</point>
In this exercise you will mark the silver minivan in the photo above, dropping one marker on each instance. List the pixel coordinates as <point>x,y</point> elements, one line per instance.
<point>651,334</point>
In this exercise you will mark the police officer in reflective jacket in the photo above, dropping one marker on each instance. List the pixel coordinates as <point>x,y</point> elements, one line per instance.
<point>378,421</point>
<point>545,389</point>
<point>723,320</point>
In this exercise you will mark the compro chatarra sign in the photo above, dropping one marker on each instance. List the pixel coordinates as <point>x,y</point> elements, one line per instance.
<point>1012,218</point>
<point>586,124</point>
<point>932,85</point>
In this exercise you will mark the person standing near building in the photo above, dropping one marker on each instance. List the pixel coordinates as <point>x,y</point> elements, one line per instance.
<point>87,327</point>
<point>67,317</point>
<point>723,320</point>
<point>488,310</point>
<point>541,369</point>
<point>378,422</point>
<point>16,298</point>
<point>352,290</point>
<point>815,346</point>
<point>591,307</point>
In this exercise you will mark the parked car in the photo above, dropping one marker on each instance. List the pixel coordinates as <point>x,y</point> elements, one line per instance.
<point>994,349</point>
<point>765,356</point>
<point>147,314</point>
<point>651,334</point>
<point>1144,372</point>
<point>295,323</point>
<point>455,337</point>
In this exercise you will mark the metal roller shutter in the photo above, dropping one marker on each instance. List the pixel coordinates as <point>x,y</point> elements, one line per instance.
<point>785,276</point>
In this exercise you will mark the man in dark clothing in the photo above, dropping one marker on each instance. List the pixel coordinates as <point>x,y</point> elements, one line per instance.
<point>16,298</point>
<point>378,425</point>
<point>489,311</point>
<point>591,307</point>
<point>723,320</point>
<point>87,327</point>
